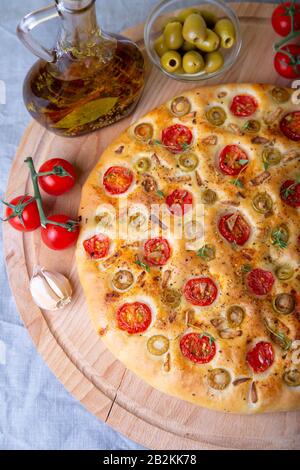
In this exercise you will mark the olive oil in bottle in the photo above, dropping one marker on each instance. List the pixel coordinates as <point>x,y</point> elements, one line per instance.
<point>89,80</point>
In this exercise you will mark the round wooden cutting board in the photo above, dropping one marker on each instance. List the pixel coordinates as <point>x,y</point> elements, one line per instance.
<point>66,339</point>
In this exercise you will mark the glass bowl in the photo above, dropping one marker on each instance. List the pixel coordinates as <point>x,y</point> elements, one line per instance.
<point>170,8</point>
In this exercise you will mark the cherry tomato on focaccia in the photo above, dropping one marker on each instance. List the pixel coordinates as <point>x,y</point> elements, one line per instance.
<point>243,105</point>
<point>177,138</point>
<point>179,201</point>
<point>59,238</point>
<point>282,18</point>
<point>157,251</point>
<point>97,247</point>
<point>290,126</point>
<point>287,61</point>
<point>134,317</point>
<point>232,160</point>
<point>199,348</point>
<point>259,281</point>
<point>62,181</point>
<point>290,193</point>
<point>261,357</point>
<point>117,179</point>
<point>234,228</point>
<point>201,291</point>
<point>22,214</point>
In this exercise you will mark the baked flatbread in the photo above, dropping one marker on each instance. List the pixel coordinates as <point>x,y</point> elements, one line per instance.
<point>195,288</point>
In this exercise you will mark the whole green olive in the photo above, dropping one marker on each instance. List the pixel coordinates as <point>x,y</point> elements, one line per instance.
<point>171,61</point>
<point>192,62</point>
<point>210,43</point>
<point>183,14</point>
<point>173,38</point>
<point>213,61</point>
<point>188,46</point>
<point>225,29</point>
<point>160,46</point>
<point>194,28</point>
<point>209,18</point>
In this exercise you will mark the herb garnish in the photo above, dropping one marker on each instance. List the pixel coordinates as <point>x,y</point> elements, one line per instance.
<point>237,182</point>
<point>246,268</point>
<point>278,239</point>
<point>160,193</point>
<point>142,265</point>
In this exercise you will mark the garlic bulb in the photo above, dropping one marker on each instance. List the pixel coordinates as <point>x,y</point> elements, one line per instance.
<point>50,291</point>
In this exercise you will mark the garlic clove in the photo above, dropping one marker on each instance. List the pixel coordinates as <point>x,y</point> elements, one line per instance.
<point>50,290</point>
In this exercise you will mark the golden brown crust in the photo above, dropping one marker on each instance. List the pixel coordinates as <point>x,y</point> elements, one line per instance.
<point>172,373</point>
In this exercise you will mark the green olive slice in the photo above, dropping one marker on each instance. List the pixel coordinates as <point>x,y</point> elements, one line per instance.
<point>280,95</point>
<point>271,156</point>
<point>171,297</point>
<point>208,196</point>
<point>216,115</point>
<point>142,165</point>
<point>251,127</point>
<point>235,316</point>
<point>188,161</point>
<point>292,377</point>
<point>284,303</point>
<point>144,131</point>
<point>158,345</point>
<point>218,378</point>
<point>180,106</point>
<point>262,203</point>
<point>284,272</point>
<point>122,280</point>
<point>280,235</point>
<point>207,252</point>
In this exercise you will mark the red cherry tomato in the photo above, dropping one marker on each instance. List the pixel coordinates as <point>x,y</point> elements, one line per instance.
<point>261,357</point>
<point>176,138</point>
<point>23,211</point>
<point>117,180</point>
<point>97,247</point>
<point>179,201</point>
<point>290,193</point>
<point>282,20</point>
<point>198,348</point>
<point>55,184</point>
<point>232,160</point>
<point>157,251</point>
<point>287,64</point>
<point>201,291</point>
<point>234,228</point>
<point>134,317</point>
<point>59,238</point>
<point>290,125</point>
<point>243,105</point>
<point>259,281</point>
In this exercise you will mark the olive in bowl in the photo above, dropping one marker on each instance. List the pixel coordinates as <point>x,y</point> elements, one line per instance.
<point>192,43</point>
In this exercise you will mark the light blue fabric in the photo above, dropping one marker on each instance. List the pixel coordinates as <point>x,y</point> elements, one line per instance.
<point>36,412</point>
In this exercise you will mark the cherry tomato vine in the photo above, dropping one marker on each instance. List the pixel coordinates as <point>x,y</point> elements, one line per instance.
<point>26,213</point>
<point>286,22</point>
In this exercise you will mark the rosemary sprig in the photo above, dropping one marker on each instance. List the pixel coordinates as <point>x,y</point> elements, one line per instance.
<point>278,240</point>
<point>142,265</point>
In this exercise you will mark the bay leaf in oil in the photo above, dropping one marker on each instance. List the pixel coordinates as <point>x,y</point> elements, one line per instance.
<point>87,113</point>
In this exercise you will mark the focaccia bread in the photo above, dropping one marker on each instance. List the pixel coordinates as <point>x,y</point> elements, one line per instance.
<point>190,244</point>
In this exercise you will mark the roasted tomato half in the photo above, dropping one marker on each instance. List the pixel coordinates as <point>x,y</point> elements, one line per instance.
<point>198,347</point>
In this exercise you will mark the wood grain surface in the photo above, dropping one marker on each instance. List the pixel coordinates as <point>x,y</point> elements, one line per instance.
<point>66,339</point>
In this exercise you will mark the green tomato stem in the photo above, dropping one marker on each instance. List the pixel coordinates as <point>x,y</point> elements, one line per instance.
<point>70,225</point>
